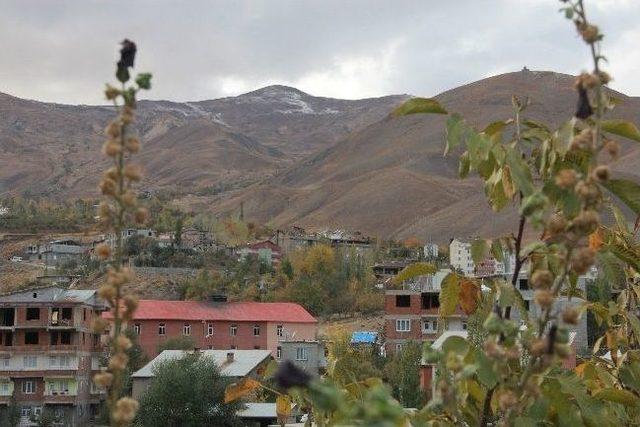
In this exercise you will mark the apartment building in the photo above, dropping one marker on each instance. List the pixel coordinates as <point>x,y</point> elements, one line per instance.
<point>460,257</point>
<point>412,313</point>
<point>221,325</point>
<point>48,354</point>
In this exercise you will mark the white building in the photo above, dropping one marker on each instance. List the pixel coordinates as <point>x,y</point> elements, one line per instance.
<point>460,257</point>
<point>430,250</point>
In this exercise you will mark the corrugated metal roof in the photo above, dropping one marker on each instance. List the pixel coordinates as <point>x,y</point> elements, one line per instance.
<point>51,294</point>
<point>232,311</point>
<point>244,361</point>
<point>259,410</point>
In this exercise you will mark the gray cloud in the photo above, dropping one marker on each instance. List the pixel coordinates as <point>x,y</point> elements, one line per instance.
<point>64,51</point>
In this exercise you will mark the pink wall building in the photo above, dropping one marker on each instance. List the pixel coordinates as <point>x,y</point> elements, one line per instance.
<point>222,325</point>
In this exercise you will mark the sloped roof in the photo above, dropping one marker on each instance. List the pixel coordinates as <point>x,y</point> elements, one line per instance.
<point>52,294</point>
<point>232,311</point>
<point>244,361</point>
<point>259,410</point>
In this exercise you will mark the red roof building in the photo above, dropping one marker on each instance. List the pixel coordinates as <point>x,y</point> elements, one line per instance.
<point>221,325</point>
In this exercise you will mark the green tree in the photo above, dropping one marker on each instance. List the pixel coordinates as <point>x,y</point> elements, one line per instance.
<point>403,373</point>
<point>187,392</point>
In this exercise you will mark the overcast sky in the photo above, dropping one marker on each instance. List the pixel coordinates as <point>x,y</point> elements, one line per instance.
<point>64,51</point>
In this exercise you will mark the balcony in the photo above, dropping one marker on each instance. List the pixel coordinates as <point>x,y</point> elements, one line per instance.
<point>59,397</point>
<point>63,348</point>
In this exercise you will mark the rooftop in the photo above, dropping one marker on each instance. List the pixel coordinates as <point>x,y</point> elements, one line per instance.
<point>244,361</point>
<point>52,294</point>
<point>231,311</point>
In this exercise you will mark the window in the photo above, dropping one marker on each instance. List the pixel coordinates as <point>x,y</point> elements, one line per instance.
<point>256,330</point>
<point>30,361</point>
<point>161,329</point>
<point>232,347</point>
<point>526,304</point>
<point>279,352</point>
<point>507,313</point>
<point>31,338</point>
<point>403,300</point>
<point>137,328</point>
<point>233,330</point>
<point>60,361</point>
<point>28,387</point>
<point>186,329</point>
<point>302,353</point>
<point>33,313</point>
<point>403,325</point>
<point>209,329</point>
<point>5,362</point>
<point>429,325</point>
<point>25,411</point>
<point>430,301</point>
<point>65,337</point>
<point>67,313</point>
<point>279,331</point>
<point>524,284</point>
<point>464,325</point>
<point>4,388</point>
<point>84,314</point>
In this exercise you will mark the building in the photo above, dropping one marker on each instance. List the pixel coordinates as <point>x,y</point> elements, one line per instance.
<point>264,414</point>
<point>412,313</point>
<point>57,252</point>
<point>221,325</point>
<point>48,353</point>
<point>127,233</point>
<point>580,341</point>
<point>309,355</point>
<point>297,238</point>
<point>460,257</point>
<point>430,251</point>
<point>233,364</point>
<point>266,251</point>
<point>389,269</point>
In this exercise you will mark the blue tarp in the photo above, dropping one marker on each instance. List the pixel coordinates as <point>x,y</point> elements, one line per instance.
<point>364,337</point>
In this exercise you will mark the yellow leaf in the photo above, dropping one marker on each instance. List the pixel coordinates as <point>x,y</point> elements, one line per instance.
<point>579,370</point>
<point>237,390</point>
<point>283,407</point>
<point>507,184</point>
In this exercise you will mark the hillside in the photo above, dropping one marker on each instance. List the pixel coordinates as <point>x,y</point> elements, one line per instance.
<point>292,158</point>
<point>51,149</point>
<point>391,179</point>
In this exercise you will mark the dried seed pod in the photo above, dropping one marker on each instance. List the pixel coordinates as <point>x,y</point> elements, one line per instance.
<point>570,316</point>
<point>103,251</point>
<point>582,260</point>
<point>556,224</point>
<point>103,379</point>
<point>125,411</point>
<point>586,222</point>
<point>542,279</point>
<point>566,178</point>
<point>132,144</point>
<point>141,215</point>
<point>601,173</point>
<point>612,147</point>
<point>108,187</point>
<point>507,400</point>
<point>544,298</point>
<point>111,148</point>
<point>118,361</point>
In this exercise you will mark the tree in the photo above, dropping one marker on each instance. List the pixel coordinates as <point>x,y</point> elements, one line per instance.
<point>187,392</point>
<point>177,343</point>
<point>403,373</point>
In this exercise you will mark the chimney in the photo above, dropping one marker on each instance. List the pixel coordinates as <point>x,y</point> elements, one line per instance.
<point>230,357</point>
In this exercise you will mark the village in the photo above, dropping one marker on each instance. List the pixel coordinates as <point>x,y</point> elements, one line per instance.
<point>49,352</point>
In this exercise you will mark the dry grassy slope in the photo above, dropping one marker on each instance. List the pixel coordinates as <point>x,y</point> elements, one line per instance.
<point>54,150</point>
<point>391,178</point>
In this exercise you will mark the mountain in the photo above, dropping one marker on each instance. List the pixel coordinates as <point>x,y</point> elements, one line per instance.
<point>54,150</point>
<point>391,178</point>
<point>295,159</point>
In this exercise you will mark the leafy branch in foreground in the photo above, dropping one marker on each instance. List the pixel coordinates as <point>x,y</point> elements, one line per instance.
<point>119,209</point>
<point>512,373</point>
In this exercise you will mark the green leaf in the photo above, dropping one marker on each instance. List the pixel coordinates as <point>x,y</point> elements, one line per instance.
<point>621,128</point>
<point>479,146</point>
<point>624,397</point>
<point>627,191</point>
<point>456,132</point>
<point>520,172</point>
<point>414,270</point>
<point>455,344</point>
<point>486,373</point>
<point>497,251</point>
<point>419,106</point>
<point>463,166</point>
<point>449,292</point>
<point>480,250</point>
<point>143,80</point>
<point>611,268</point>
